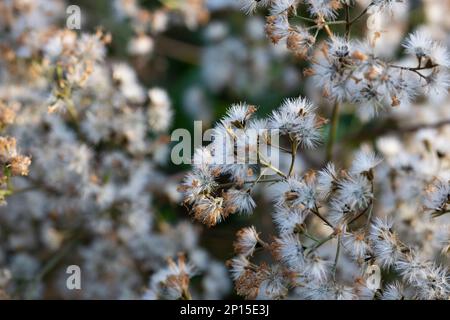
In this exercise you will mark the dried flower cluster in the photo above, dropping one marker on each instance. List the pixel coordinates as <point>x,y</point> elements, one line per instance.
<point>12,163</point>
<point>221,164</point>
<point>350,70</point>
<point>336,203</point>
<point>337,229</point>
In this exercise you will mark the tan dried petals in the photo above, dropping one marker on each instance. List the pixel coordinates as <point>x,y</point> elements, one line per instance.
<point>7,149</point>
<point>7,115</point>
<point>359,55</point>
<point>19,165</point>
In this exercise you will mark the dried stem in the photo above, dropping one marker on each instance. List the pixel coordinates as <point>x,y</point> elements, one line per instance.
<point>416,69</point>
<point>294,147</point>
<point>269,165</point>
<point>317,213</point>
<point>360,214</point>
<point>319,244</point>
<point>336,258</point>
<point>230,184</point>
<point>359,16</point>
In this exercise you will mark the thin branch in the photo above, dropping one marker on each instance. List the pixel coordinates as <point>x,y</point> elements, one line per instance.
<point>336,258</point>
<point>317,213</point>
<point>279,147</point>
<point>263,244</point>
<point>325,26</point>
<point>369,217</point>
<point>230,184</point>
<point>269,165</point>
<point>294,146</point>
<point>360,214</point>
<point>328,31</point>
<point>415,70</point>
<point>306,234</point>
<point>319,244</point>
<point>359,16</point>
<point>283,149</point>
<point>347,21</point>
<point>258,179</point>
<point>437,213</point>
<point>306,19</point>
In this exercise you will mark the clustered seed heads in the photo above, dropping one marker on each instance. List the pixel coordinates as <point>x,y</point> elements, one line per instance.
<point>345,196</point>
<point>350,70</point>
<point>226,171</point>
<point>338,203</point>
<point>336,227</point>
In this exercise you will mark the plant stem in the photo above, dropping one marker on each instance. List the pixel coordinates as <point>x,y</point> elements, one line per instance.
<point>306,234</point>
<point>361,14</point>
<point>336,258</point>
<point>347,21</point>
<point>294,146</point>
<point>230,184</point>
<point>282,149</point>
<point>333,130</point>
<point>320,243</point>
<point>72,110</point>
<point>436,214</point>
<point>258,179</point>
<point>323,22</point>
<point>328,31</point>
<point>269,165</point>
<point>360,214</point>
<point>306,19</point>
<point>317,213</point>
<point>415,70</point>
<point>264,244</point>
<point>369,217</point>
